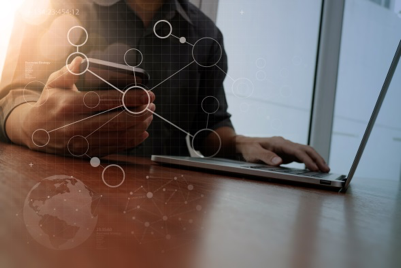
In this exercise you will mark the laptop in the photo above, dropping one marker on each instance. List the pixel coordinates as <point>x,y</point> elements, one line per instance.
<point>327,180</point>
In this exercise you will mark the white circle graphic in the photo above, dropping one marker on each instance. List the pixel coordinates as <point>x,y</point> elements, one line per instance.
<point>77,27</point>
<point>197,43</point>
<point>242,88</point>
<point>80,54</point>
<point>129,50</point>
<point>166,36</point>
<point>74,138</point>
<point>39,131</point>
<point>109,185</point>
<point>125,106</point>
<point>211,131</point>
<point>208,99</point>
<point>91,106</point>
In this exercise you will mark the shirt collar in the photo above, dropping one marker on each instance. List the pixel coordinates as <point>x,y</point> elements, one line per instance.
<point>182,11</point>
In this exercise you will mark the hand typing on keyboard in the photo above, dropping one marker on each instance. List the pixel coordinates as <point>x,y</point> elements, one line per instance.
<point>275,151</point>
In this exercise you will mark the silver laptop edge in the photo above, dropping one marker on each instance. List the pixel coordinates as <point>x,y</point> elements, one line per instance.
<point>252,169</point>
<point>375,112</point>
<point>330,180</point>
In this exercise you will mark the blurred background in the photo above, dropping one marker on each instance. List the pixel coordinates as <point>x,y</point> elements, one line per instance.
<point>274,47</point>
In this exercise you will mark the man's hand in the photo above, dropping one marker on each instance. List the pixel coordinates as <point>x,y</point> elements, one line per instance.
<point>63,112</point>
<point>277,150</point>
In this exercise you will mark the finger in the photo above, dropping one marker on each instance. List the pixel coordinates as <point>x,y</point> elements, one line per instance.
<point>303,157</point>
<point>117,121</point>
<point>95,101</point>
<point>113,138</point>
<point>66,77</point>
<point>318,159</point>
<point>270,158</point>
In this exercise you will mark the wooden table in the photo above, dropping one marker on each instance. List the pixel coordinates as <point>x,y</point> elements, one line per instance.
<point>166,217</point>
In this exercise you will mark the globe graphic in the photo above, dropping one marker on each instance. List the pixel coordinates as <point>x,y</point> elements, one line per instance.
<point>59,212</point>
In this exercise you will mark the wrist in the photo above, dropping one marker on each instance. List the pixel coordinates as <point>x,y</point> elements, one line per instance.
<point>240,142</point>
<point>17,125</point>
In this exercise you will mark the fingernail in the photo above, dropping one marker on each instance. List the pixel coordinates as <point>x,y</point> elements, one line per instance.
<point>152,107</point>
<point>276,160</point>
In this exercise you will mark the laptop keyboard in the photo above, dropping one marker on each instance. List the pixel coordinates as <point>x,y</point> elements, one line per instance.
<point>292,171</point>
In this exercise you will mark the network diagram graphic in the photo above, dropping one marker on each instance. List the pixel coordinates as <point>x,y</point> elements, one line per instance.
<point>241,87</point>
<point>164,212</point>
<point>159,205</point>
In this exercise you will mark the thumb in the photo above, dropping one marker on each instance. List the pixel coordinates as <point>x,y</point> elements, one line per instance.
<point>67,76</point>
<point>271,158</point>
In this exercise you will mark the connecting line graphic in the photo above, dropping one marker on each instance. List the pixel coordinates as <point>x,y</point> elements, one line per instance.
<point>172,75</point>
<point>182,39</point>
<point>89,117</point>
<point>225,73</point>
<point>171,123</point>
<point>209,104</point>
<point>107,82</point>
<point>108,121</point>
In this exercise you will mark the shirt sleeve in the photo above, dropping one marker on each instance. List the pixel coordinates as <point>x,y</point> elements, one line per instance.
<point>34,52</point>
<point>213,103</point>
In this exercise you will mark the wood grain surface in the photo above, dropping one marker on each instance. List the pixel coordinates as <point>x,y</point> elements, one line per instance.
<point>167,217</point>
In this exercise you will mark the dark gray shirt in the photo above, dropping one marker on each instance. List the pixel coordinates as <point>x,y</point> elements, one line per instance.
<point>112,31</point>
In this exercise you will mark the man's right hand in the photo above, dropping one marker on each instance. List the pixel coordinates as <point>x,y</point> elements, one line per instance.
<point>63,113</point>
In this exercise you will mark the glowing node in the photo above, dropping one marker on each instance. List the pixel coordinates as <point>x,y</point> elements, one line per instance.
<point>95,162</point>
<point>149,195</point>
<point>147,224</point>
<point>190,187</point>
<point>165,218</point>
<point>183,40</point>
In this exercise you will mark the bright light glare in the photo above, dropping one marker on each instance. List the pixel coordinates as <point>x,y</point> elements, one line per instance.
<point>9,9</point>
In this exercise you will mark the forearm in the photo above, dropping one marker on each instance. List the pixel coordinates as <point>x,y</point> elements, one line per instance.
<point>15,125</point>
